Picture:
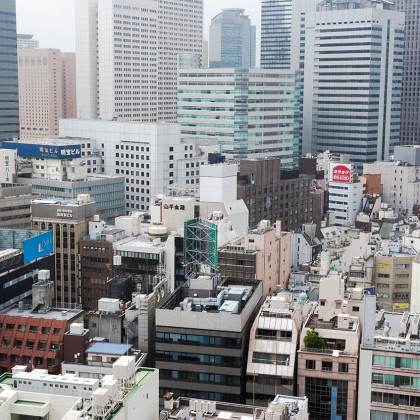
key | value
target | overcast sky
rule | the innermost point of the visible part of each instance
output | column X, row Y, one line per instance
column 52, row 21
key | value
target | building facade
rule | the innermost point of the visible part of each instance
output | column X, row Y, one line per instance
column 47, row 90
column 232, row 40
column 352, row 63
column 69, row 222
column 27, row 41
column 142, row 43
column 389, row 370
column 410, row 98
column 251, row 112
column 276, row 34
column 200, row 353
column 15, row 204
column 9, row 106
column 151, row 156
column 275, row 194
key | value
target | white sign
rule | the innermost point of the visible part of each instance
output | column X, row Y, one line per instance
column 65, row 213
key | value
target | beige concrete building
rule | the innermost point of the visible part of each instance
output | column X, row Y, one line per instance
column 15, row 204
column 392, row 279
column 328, row 375
column 69, row 222
column 47, row 90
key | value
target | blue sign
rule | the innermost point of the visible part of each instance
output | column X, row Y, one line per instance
column 37, row 247
column 44, row 151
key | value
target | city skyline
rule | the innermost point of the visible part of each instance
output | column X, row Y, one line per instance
column 60, row 17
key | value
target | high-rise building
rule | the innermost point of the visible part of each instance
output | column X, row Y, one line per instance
column 9, row 104
column 232, row 40
column 27, row 41
column 251, row 112
column 47, row 90
column 410, row 98
column 352, row 62
column 276, row 33
column 127, row 56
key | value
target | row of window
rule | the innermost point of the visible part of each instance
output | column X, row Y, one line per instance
column 199, row 339
column 396, row 380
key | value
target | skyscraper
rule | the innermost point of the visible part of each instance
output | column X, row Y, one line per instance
column 410, row 98
column 353, row 52
column 232, row 40
column 251, row 112
column 47, row 90
column 276, row 22
column 127, row 56
column 9, row 95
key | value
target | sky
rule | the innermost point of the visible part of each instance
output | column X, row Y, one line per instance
column 52, row 21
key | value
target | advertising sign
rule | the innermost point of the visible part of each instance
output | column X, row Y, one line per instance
column 37, row 247
column 45, row 151
column 340, row 172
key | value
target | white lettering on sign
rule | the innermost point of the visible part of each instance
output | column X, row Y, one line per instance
column 69, row 152
column 64, row 213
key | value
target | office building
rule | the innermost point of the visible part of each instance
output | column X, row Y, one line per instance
column 262, row 122
column 232, row 40
column 56, row 158
column 399, row 183
column 352, row 85
column 151, row 156
column 276, row 27
column 127, row 56
column 33, row 335
column 27, row 41
column 274, row 340
column 328, row 369
column 69, row 221
column 393, row 276
column 23, row 254
column 209, row 329
column 410, row 97
column 47, row 90
column 389, row 367
column 345, row 194
column 9, row 106
column 15, row 204
column 274, row 193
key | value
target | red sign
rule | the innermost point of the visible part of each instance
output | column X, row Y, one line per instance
column 341, row 174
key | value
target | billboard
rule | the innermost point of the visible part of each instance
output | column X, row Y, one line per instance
column 37, row 247
column 40, row 151
column 340, row 172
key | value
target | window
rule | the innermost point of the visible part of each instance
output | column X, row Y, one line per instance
column 327, row 366
column 343, row 367
column 311, row 364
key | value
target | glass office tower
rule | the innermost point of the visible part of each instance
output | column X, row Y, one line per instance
column 9, row 94
column 232, row 40
column 276, row 28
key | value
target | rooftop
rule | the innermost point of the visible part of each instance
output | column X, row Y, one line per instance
column 397, row 331
column 52, row 313
column 53, row 141
column 109, row 348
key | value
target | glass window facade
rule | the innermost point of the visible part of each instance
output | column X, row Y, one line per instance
column 9, row 104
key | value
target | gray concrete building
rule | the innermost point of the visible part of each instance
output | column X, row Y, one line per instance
column 202, row 334
column 9, row 104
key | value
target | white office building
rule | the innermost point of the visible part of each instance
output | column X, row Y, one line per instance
column 151, row 156
column 127, row 56
column 251, row 112
column 351, row 52
column 345, row 194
